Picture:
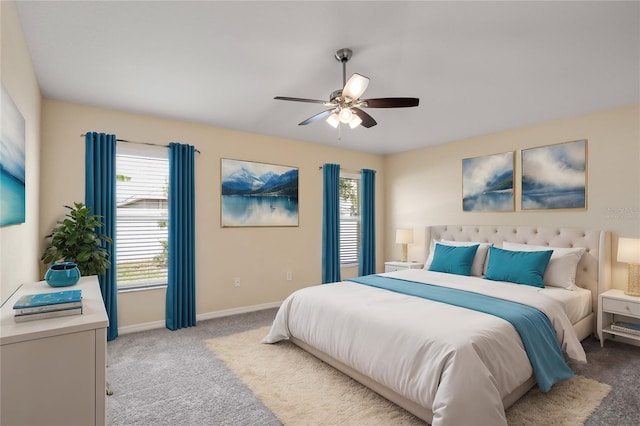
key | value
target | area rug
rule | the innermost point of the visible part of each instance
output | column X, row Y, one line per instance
column 300, row 389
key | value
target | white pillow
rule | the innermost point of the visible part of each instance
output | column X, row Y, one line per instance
column 561, row 270
column 478, row 266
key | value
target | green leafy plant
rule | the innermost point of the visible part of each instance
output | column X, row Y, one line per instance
column 75, row 239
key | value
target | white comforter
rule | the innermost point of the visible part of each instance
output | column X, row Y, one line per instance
column 456, row 362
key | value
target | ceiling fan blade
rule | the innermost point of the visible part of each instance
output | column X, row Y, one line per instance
column 390, row 102
column 317, row 117
column 355, row 86
column 313, row 101
column 367, row 120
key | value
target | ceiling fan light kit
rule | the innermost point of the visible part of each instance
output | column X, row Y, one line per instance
column 346, row 103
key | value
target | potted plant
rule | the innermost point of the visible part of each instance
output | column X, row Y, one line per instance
column 75, row 240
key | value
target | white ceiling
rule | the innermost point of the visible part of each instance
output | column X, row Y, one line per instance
column 477, row 67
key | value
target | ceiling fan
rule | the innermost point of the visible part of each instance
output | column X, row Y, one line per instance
column 345, row 105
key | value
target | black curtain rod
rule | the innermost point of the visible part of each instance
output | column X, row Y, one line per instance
column 142, row 143
column 348, row 171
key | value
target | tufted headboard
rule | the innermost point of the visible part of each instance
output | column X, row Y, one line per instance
column 594, row 269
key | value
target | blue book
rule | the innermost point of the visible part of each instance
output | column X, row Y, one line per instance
column 48, row 299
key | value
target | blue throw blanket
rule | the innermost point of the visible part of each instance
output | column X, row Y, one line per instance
column 535, row 329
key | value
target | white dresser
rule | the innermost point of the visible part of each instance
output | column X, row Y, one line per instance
column 53, row 371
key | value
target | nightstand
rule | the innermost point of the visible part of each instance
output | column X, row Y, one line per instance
column 399, row 266
column 614, row 305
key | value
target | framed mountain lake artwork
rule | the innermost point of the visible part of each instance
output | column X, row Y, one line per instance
column 258, row 194
column 555, row 176
column 487, row 183
column 12, row 163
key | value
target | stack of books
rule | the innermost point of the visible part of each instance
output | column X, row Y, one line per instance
column 626, row 327
column 48, row 305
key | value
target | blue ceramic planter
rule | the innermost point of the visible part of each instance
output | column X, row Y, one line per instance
column 62, row 274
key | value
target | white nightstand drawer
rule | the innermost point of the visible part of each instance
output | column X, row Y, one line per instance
column 401, row 266
column 620, row 307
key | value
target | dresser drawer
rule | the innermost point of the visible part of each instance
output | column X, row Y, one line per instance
column 389, row 268
column 620, row 307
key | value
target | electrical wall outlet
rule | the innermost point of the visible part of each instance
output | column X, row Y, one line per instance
column 236, row 282
column 288, row 275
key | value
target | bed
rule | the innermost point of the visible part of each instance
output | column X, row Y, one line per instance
column 443, row 362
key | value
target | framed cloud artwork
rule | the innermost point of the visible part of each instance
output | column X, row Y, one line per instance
column 487, row 183
column 258, row 194
column 12, row 163
column 555, row 176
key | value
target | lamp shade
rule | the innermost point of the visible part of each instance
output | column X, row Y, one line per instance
column 404, row 236
column 334, row 120
column 345, row 115
column 629, row 250
column 355, row 121
column 355, row 87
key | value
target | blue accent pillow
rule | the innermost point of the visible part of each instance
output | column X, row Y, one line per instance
column 520, row 267
column 453, row 259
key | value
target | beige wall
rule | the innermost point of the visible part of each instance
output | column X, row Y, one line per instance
column 414, row 189
column 259, row 256
column 19, row 244
column 424, row 187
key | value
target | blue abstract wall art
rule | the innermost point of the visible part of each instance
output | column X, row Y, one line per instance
column 258, row 194
column 12, row 163
column 487, row 183
column 555, row 176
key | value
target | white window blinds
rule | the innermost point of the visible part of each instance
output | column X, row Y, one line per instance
column 142, row 185
column 349, row 219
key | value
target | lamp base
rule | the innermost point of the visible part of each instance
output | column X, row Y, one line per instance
column 404, row 253
column 633, row 286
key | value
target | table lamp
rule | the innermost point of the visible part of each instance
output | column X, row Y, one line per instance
column 629, row 252
column 404, row 237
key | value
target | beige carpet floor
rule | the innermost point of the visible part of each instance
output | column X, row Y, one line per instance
column 300, row 389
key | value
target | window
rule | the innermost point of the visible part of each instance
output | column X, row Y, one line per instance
column 349, row 219
column 142, row 185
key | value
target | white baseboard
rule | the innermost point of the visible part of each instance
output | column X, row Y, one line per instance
column 200, row 317
column 235, row 311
